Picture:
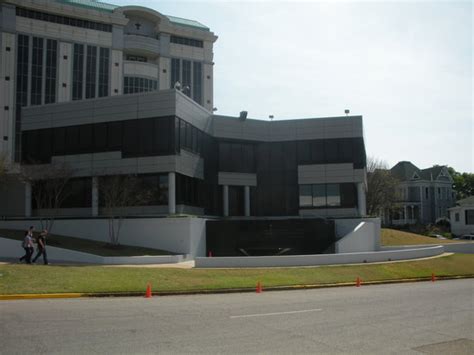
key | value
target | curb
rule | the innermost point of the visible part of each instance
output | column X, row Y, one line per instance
column 221, row 291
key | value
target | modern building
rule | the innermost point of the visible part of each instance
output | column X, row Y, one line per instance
column 55, row 51
column 129, row 91
column 424, row 195
column 461, row 217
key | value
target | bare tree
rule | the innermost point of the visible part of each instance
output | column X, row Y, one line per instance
column 119, row 192
column 381, row 186
column 48, row 188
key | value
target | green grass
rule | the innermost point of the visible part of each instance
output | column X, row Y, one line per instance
column 18, row 278
column 396, row 237
column 85, row 245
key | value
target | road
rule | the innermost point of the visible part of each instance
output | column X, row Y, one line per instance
column 408, row 318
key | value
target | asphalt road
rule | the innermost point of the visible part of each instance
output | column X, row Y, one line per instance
column 414, row 318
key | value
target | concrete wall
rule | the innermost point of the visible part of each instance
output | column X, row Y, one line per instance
column 336, row 173
column 11, row 249
column 463, row 248
column 359, row 240
column 186, row 235
column 314, row 260
column 366, row 238
column 287, row 130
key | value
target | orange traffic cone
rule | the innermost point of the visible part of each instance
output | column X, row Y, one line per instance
column 148, row 291
column 259, row 287
column 358, row 282
column 433, row 277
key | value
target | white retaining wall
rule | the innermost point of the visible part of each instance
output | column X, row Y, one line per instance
column 12, row 249
column 186, row 235
column 357, row 235
column 465, row 248
column 314, row 260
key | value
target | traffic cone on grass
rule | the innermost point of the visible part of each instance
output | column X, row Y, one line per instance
column 259, row 287
column 433, row 277
column 358, row 282
column 148, row 291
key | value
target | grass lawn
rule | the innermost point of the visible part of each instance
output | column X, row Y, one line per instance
column 85, row 245
column 19, row 278
column 396, row 237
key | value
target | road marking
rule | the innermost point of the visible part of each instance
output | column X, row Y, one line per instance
column 276, row 313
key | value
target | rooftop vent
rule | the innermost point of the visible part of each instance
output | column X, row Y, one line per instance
column 243, row 115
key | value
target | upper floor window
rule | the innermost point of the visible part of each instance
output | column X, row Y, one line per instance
column 63, row 20
column 187, row 41
column 137, row 58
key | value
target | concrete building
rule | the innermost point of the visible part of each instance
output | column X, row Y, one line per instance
column 461, row 217
column 424, row 195
column 129, row 91
column 55, row 51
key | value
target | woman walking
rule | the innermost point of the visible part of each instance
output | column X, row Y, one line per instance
column 28, row 246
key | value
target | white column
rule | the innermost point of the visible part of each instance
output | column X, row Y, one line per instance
column 225, row 199
column 421, row 204
column 171, row 193
column 361, row 199
column 27, row 199
column 247, row 200
column 95, row 196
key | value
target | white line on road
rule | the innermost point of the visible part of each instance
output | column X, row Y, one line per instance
column 276, row 313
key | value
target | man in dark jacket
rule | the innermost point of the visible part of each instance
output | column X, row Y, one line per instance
column 42, row 247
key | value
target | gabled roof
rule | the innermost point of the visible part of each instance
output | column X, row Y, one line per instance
column 102, row 6
column 431, row 173
column 468, row 201
column 404, row 170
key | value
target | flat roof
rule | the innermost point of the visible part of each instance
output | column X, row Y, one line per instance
column 102, row 6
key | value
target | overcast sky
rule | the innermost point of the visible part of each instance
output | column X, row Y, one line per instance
column 405, row 66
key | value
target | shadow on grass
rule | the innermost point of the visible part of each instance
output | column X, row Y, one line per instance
column 86, row 245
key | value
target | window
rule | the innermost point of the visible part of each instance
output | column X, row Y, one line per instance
column 186, row 78
column 306, row 196
column 319, row 195
column 427, row 193
column 22, row 70
column 78, row 193
column 333, row 195
column 51, row 67
column 91, row 71
column 134, row 84
column 175, row 72
column 469, row 216
column 37, row 71
column 63, row 20
column 104, row 72
column 137, row 58
column 186, row 41
column 197, row 82
column 456, row 216
column 328, row 195
column 77, row 71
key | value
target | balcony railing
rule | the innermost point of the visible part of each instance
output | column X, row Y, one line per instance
column 141, row 44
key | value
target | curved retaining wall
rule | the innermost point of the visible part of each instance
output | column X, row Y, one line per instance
column 320, row 259
column 12, row 249
column 462, row 247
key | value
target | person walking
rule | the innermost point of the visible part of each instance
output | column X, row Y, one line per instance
column 28, row 246
column 42, row 247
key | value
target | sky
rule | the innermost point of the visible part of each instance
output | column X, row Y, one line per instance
column 405, row 66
